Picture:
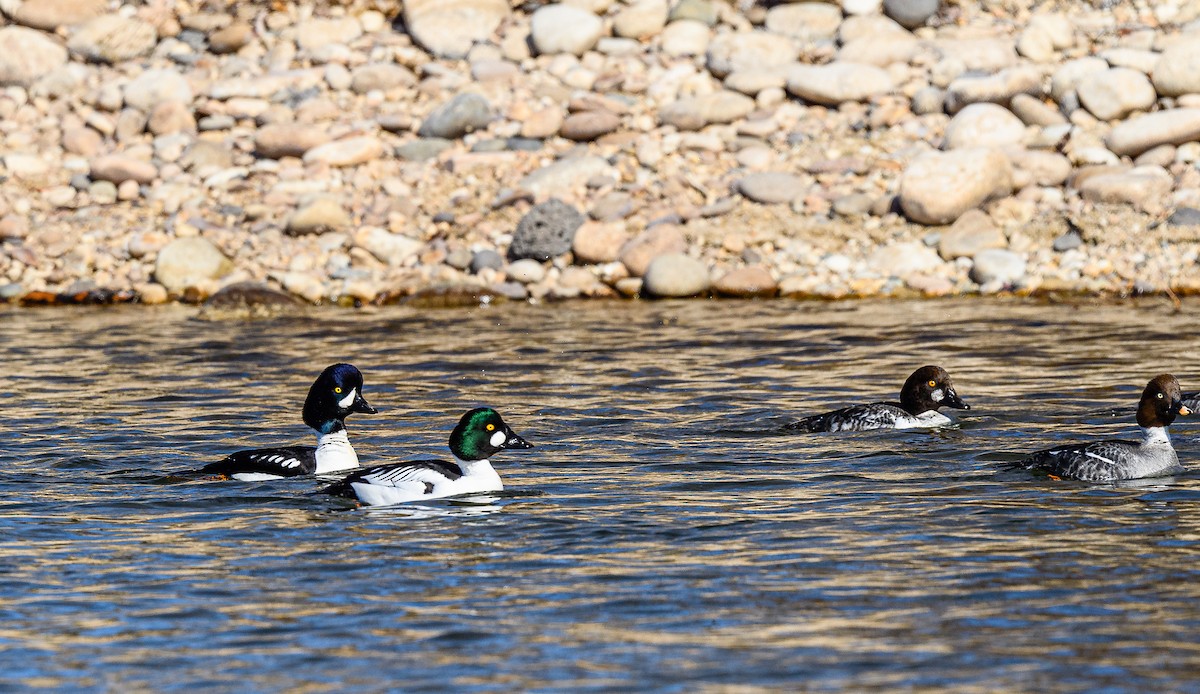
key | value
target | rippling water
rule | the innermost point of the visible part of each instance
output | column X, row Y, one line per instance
column 663, row 535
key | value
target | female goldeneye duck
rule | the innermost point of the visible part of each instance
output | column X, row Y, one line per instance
column 1110, row 461
column 927, row 389
column 480, row 434
column 335, row 394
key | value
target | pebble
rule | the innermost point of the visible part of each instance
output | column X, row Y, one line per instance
column 1177, row 71
column 598, row 242
column 837, row 83
column 1067, row 241
column 771, row 187
column 186, row 262
column 910, row 13
column 486, row 259
column 460, row 115
column 231, row 39
column 1174, row 126
column 675, row 275
column 288, row 139
column 116, row 168
column 26, row 55
column 449, row 29
column 565, row 175
column 684, row 37
column 423, row 149
column 984, row 125
column 806, row 21
column 1066, row 77
column 561, row 28
column 703, row 11
column 937, row 188
column 317, row 217
column 1141, row 187
column 1116, row 93
column 998, row 88
column 351, row 151
column 526, row 271
column 1033, row 111
column 112, row 38
column 50, row 15
column 641, row 19
column 546, row 231
column 752, row 281
column 694, row 113
column 312, row 34
column 589, row 125
column 971, row 233
column 381, row 76
column 660, row 239
column 750, row 50
column 996, row 265
column 390, row 248
column 903, row 259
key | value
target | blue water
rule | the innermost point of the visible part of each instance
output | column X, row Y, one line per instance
column 664, row 535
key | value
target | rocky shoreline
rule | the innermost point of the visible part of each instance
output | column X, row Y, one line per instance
column 363, row 152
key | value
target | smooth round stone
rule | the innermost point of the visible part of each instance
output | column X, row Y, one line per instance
column 837, row 83
column 351, row 151
column 1185, row 217
column 319, row 216
column 586, row 126
column 1040, row 167
column 910, row 13
column 862, row 7
column 486, row 259
column 566, row 175
column 1134, row 136
column 113, row 38
column 659, row 239
column 381, row 76
column 996, row 265
column 231, row 39
column 1177, row 71
column 984, row 125
column 526, row 271
column 903, row 259
column 464, row 113
column 853, row 205
column 448, row 28
column 1115, row 93
column 880, row 50
column 546, row 231
column 675, row 275
column 1066, row 78
column 970, row 234
column 1068, row 241
column 49, row 15
column 423, row 149
column 188, row 261
column 312, row 34
column 26, row 55
column 703, row 11
column 747, row 282
column 1033, row 111
column 1140, row 187
column 117, row 168
column 928, row 100
column 597, row 242
column 103, row 192
column 998, row 88
column 641, row 19
column 562, row 28
column 750, row 50
column 938, row 187
column 693, row 113
column 390, row 248
column 154, row 87
column 771, row 187
column 806, row 21
column 685, row 37
column 288, row 139
column 171, row 117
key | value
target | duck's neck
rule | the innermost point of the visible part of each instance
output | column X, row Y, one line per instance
column 1155, row 436
column 334, row 452
column 475, row 468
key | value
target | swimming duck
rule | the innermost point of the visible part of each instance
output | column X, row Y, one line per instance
column 927, row 389
column 480, row 434
column 1109, row 461
column 335, row 394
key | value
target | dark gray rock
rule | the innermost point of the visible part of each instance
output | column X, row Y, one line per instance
column 1067, row 241
column 425, row 148
column 546, row 231
column 486, row 259
column 457, row 117
column 1185, row 217
column 524, row 144
column 910, row 13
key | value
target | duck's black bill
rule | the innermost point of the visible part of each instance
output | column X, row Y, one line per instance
column 515, row 441
column 361, row 405
column 952, row 400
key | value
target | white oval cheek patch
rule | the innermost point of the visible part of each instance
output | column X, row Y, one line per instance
column 348, row 400
column 937, row 395
column 499, row 438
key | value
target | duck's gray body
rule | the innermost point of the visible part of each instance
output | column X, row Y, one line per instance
column 1110, row 461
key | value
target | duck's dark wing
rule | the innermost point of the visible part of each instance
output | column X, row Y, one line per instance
column 288, row 461
column 418, row 475
column 1192, row 400
column 881, row 415
column 1100, row 461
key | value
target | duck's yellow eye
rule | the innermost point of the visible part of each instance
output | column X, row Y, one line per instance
column 337, row 389
column 933, row 384
column 1160, row 396
column 491, row 427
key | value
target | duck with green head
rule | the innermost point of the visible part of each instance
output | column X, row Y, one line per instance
column 480, row 434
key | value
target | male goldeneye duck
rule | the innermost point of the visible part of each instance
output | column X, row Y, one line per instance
column 927, row 389
column 480, row 434
column 335, row 394
column 1109, row 461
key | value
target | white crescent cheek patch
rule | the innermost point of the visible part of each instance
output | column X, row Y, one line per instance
column 348, row 400
column 938, row 395
column 499, row 438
